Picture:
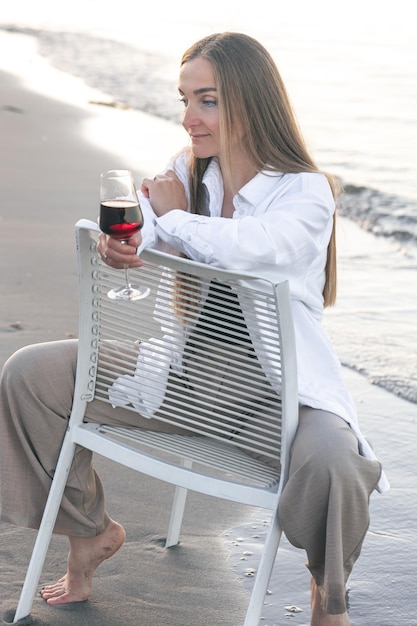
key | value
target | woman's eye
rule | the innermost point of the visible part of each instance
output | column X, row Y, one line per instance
column 205, row 102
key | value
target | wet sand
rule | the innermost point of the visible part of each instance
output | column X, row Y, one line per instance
column 48, row 180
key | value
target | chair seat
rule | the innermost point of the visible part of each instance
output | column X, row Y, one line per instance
column 204, row 451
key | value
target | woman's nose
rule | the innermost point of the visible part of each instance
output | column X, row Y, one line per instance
column 189, row 119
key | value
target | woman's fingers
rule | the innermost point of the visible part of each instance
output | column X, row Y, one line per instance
column 117, row 253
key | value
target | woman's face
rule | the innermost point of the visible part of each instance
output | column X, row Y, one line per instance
column 197, row 90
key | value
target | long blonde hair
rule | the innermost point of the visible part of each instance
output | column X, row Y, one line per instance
column 252, row 93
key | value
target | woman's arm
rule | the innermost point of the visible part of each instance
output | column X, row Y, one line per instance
column 284, row 230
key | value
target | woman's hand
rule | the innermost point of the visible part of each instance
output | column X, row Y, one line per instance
column 165, row 192
column 118, row 254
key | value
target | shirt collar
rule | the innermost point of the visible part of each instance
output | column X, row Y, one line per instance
column 258, row 187
column 252, row 193
column 213, row 181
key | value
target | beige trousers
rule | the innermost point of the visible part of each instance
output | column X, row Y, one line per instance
column 324, row 507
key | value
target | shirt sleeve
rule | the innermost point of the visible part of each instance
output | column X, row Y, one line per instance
column 148, row 231
column 288, row 231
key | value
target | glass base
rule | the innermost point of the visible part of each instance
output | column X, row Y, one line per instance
column 130, row 293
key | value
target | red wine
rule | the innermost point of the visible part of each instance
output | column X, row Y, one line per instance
column 120, row 218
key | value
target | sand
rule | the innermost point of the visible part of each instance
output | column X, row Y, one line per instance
column 49, row 164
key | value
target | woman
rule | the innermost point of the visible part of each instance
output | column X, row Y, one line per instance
column 245, row 195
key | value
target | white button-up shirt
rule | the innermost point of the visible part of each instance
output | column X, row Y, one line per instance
column 280, row 230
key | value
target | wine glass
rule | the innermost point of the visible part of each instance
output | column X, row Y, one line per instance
column 121, row 217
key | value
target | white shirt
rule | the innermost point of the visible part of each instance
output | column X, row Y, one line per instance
column 280, row 230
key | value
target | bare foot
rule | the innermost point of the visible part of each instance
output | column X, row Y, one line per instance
column 84, row 557
column 318, row 616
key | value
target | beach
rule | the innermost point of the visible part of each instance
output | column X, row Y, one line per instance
column 52, row 152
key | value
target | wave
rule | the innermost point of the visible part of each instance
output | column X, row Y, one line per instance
column 383, row 214
column 133, row 78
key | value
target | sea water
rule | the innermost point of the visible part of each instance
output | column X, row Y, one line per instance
column 352, row 78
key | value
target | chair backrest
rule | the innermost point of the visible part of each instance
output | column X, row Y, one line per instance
column 208, row 350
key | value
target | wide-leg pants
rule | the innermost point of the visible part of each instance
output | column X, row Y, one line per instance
column 324, row 508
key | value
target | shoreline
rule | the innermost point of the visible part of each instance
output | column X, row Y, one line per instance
column 49, row 172
column 108, row 126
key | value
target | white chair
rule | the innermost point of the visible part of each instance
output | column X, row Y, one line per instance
column 235, row 446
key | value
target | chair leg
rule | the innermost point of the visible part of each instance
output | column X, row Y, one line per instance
column 46, row 527
column 263, row 575
column 177, row 512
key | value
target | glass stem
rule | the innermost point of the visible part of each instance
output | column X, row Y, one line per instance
column 127, row 277
column 126, row 268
